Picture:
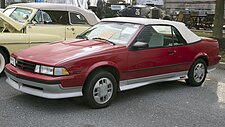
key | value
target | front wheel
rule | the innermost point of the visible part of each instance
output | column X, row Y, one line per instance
column 100, row 89
column 197, row 73
column 3, row 61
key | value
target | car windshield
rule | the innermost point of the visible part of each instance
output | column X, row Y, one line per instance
column 18, row 14
column 114, row 32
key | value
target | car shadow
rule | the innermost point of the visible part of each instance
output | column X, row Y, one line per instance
column 150, row 90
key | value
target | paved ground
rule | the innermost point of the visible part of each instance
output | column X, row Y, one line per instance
column 168, row 104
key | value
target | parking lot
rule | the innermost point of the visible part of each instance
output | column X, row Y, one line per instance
column 168, row 104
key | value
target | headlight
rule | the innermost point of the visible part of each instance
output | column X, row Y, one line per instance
column 51, row 70
column 47, row 70
column 12, row 61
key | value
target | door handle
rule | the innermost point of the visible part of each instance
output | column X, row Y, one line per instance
column 171, row 51
column 71, row 29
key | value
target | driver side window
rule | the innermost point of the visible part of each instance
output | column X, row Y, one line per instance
column 159, row 36
column 38, row 18
column 145, row 34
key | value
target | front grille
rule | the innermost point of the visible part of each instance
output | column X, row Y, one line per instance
column 26, row 66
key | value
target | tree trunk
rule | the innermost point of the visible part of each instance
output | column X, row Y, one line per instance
column 2, row 3
column 219, row 20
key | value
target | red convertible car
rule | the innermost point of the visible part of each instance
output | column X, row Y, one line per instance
column 117, row 54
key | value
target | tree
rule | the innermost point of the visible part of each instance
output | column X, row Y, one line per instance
column 2, row 3
column 219, row 20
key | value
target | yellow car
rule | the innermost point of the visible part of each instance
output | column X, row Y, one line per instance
column 29, row 24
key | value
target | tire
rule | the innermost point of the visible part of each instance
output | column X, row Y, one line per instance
column 3, row 61
column 197, row 73
column 100, row 89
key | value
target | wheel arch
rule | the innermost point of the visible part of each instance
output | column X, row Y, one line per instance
column 5, row 50
column 106, row 66
column 204, row 57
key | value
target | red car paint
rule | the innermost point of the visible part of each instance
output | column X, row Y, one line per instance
column 80, row 63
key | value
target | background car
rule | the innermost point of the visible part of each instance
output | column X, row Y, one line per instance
column 30, row 24
column 141, row 11
column 116, row 54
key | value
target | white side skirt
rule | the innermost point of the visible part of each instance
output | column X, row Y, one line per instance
column 134, row 83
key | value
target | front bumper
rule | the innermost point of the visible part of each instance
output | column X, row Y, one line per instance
column 50, row 91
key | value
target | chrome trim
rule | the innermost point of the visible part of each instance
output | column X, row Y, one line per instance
column 212, row 68
column 134, row 83
column 50, row 91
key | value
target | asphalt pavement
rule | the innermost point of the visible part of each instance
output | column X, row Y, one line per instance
column 167, row 104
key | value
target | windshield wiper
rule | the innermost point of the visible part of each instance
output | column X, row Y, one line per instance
column 103, row 39
column 82, row 37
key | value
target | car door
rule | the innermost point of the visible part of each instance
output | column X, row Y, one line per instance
column 14, row 41
column 158, row 60
column 78, row 24
column 47, row 26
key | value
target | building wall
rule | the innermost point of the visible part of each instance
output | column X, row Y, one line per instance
column 8, row 2
column 202, row 6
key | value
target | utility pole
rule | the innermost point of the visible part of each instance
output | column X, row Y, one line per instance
column 219, row 20
column 2, row 3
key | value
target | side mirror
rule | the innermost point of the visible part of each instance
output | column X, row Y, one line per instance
column 139, row 45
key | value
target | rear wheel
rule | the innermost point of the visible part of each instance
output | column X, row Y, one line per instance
column 3, row 61
column 100, row 89
column 197, row 73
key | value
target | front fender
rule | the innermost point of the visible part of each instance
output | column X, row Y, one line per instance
column 100, row 64
column 14, row 41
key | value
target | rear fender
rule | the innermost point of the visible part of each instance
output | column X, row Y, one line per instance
column 203, row 56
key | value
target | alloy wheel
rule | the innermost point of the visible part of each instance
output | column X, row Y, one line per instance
column 103, row 90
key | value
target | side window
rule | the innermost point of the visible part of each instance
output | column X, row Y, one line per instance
column 38, row 18
column 160, row 36
column 52, row 17
column 77, row 18
column 178, row 39
column 166, row 36
column 145, row 34
column 152, row 35
column 163, row 36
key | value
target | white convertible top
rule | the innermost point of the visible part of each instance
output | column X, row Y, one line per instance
column 89, row 15
column 188, row 35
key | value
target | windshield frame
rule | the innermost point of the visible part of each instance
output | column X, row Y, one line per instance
column 133, row 35
column 33, row 12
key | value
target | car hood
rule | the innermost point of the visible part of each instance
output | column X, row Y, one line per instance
column 53, row 54
column 18, row 26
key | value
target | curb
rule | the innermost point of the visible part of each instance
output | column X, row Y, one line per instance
column 221, row 65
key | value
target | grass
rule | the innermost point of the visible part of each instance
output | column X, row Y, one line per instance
column 205, row 33
column 209, row 34
column 222, row 53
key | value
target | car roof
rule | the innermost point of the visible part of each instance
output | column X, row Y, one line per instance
column 89, row 15
column 187, row 34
